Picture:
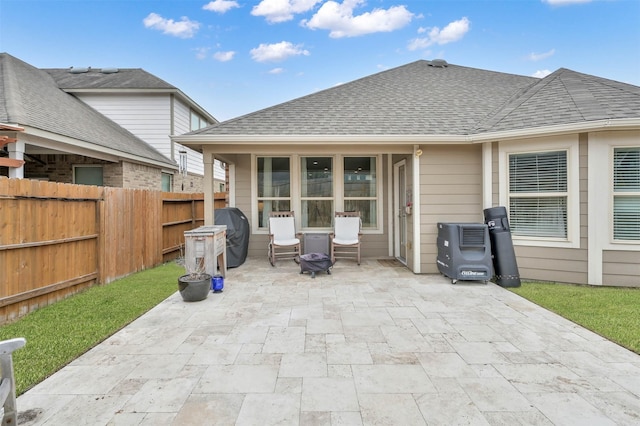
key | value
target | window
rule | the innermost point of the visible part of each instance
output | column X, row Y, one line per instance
column 274, row 187
column 316, row 177
column 88, row 175
column 197, row 122
column 538, row 194
column 361, row 189
column 315, row 187
column 626, row 194
column 167, row 180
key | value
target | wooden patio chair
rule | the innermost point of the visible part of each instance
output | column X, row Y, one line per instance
column 346, row 236
column 8, row 381
column 284, row 241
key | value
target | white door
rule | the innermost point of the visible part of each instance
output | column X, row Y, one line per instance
column 400, row 213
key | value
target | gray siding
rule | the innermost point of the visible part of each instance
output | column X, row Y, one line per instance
column 621, row 268
column 552, row 264
column 450, row 191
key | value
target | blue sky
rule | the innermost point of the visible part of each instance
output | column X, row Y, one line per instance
column 236, row 57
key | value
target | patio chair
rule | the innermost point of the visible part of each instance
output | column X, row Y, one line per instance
column 345, row 239
column 8, row 381
column 284, row 242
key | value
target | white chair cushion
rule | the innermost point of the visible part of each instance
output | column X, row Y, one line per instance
column 283, row 230
column 347, row 229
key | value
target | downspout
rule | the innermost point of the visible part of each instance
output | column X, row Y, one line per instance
column 417, row 152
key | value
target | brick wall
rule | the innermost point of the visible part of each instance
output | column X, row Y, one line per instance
column 189, row 183
column 59, row 168
column 140, row 176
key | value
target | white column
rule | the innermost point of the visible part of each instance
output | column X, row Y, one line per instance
column 208, row 188
column 417, row 255
column 16, row 152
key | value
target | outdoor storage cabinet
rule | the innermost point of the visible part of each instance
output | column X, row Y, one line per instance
column 464, row 251
column 205, row 246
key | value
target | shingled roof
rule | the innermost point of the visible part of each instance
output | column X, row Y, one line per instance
column 30, row 97
column 436, row 98
column 107, row 78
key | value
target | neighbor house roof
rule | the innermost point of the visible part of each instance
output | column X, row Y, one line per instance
column 30, row 97
column 118, row 80
column 438, row 100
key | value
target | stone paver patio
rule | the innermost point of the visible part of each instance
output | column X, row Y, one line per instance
column 367, row 345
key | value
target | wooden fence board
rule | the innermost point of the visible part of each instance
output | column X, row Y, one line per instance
column 57, row 239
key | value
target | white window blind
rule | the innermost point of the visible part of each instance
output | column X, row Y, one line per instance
column 626, row 198
column 538, row 194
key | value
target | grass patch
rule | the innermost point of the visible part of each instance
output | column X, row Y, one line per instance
column 613, row 313
column 59, row 333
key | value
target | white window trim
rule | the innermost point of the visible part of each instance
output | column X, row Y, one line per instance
column 567, row 143
column 296, row 202
column 601, row 146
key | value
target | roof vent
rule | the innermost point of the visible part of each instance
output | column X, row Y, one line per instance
column 439, row 63
column 109, row 70
column 79, row 70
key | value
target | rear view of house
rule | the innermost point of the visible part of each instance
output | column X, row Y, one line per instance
column 432, row 142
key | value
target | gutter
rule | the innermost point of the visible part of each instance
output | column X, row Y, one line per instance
column 377, row 139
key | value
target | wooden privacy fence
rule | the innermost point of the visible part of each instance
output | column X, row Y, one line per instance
column 57, row 239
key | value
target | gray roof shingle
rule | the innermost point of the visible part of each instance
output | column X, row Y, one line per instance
column 421, row 99
column 103, row 78
column 566, row 97
column 31, row 97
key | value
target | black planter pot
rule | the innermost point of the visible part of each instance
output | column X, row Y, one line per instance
column 194, row 288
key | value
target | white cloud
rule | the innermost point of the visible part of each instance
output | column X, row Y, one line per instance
column 201, row 52
column 454, row 31
column 183, row 28
column 341, row 22
column 277, row 52
column 276, row 11
column 539, row 56
column 276, row 71
column 564, row 2
column 220, row 6
column 224, row 56
column 541, row 73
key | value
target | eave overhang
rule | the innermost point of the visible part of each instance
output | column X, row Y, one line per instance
column 66, row 144
column 200, row 140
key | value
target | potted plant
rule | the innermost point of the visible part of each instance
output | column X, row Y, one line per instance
column 195, row 284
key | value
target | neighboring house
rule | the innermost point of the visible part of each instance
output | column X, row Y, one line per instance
column 101, row 126
column 431, row 142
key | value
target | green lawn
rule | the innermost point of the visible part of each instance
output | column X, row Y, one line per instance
column 611, row 312
column 59, row 333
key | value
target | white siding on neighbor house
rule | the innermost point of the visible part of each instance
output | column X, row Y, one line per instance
column 182, row 125
column 146, row 116
column 181, row 117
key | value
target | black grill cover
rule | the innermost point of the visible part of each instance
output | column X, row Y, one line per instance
column 238, row 231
